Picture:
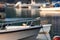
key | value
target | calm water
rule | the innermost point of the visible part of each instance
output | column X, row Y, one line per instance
column 13, row 13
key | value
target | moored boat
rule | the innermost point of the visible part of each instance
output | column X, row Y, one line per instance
column 24, row 32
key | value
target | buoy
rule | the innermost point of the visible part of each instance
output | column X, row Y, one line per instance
column 56, row 38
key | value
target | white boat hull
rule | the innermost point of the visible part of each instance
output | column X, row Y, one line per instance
column 22, row 34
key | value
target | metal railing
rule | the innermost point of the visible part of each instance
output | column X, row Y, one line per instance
column 3, row 25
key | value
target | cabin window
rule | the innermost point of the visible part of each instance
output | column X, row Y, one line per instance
column 24, row 7
column 35, row 7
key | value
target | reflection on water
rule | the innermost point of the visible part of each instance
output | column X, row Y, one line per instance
column 22, row 13
column 11, row 12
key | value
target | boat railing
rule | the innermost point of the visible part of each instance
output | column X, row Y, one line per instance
column 3, row 25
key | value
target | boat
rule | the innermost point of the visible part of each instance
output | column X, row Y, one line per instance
column 24, row 32
column 54, row 11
